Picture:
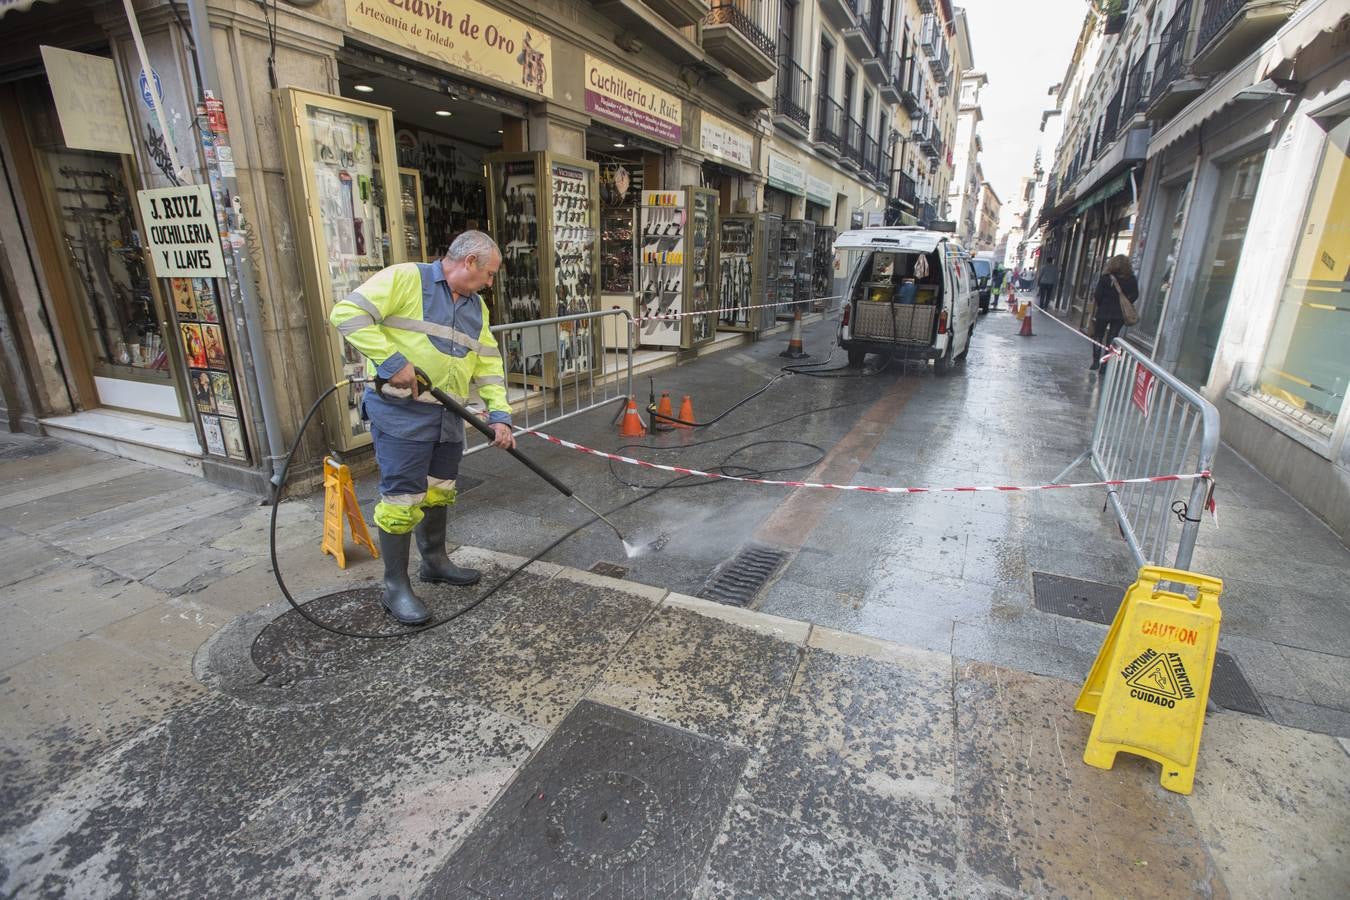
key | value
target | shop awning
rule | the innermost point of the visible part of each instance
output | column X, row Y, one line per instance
column 18, row 5
column 1110, row 189
column 1305, row 26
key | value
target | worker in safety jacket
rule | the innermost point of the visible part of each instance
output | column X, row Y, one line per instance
column 428, row 316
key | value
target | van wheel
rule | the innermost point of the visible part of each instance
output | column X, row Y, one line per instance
column 855, row 358
column 944, row 364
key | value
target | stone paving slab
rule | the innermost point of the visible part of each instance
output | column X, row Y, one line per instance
column 871, row 768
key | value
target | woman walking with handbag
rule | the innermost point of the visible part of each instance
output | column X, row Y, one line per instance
column 1115, row 295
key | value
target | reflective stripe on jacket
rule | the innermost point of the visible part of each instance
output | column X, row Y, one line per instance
column 407, row 314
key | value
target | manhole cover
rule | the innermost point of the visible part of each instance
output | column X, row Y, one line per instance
column 1229, row 689
column 612, row 805
column 1092, row 601
column 609, row 570
column 738, row 580
column 291, row 649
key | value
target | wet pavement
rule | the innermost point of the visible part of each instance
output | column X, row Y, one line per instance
column 893, row 718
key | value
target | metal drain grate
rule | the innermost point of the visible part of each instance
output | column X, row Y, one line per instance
column 1092, row 601
column 1229, row 689
column 737, row 581
column 609, row 570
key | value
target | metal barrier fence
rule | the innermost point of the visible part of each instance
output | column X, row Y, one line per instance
column 553, row 371
column 1149, row 423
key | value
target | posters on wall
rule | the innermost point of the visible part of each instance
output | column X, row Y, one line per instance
column 210, row 380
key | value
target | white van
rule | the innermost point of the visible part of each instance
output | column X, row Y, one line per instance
column 909, row 292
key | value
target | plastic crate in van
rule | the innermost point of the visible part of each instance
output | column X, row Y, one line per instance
column 908, row 322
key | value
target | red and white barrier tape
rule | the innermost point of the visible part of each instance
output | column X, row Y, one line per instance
column 719, row 310
column 868, row 489
column 1109, row 351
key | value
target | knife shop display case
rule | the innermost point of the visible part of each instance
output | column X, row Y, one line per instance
column 677, row 267
column 749, row 241
column 345, row 192
column 544, row 213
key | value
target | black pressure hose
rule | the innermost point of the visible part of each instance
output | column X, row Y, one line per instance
column 279, row 486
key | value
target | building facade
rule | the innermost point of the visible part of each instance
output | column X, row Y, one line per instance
column 964, row 196
column 1218, row 162
column 332, row 137
column 987, row 214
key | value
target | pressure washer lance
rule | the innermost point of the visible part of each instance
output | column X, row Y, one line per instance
column 424, row 386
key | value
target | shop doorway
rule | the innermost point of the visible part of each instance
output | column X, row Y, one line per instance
column 444, row 129
column 115, row 334
column 628, row 166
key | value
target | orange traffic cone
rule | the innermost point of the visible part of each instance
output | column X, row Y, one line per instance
column 686, row 413
column 794, row 348
column 631, row 426
column 1026, row 324
column 664, row 413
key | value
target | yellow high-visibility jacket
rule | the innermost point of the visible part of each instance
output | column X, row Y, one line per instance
column 407, row 314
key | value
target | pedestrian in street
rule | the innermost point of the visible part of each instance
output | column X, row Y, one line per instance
column 428, row 316
column 1117, row 278
column 1049, row 277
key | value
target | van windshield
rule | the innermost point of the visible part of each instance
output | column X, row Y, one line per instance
column 982, row 267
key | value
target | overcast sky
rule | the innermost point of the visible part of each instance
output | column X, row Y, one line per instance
column 1023, row 48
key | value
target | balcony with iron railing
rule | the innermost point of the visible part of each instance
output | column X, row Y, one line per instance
column 828, row 137
column 1111, row 121
column 1136, row 91
column 853, row 143
column 925, row 136
column 875, row 63
column 930, row 37
column 860, row 37
column 892, row 86
column 841, row 13
column 792, row 98
column 870, row 161
column 906, row 190
column 1173, row 85
column 927, row 214
column 927, row 6
column 911, row 87
column 733, row 37
column 1231, row 29
column 883, row 177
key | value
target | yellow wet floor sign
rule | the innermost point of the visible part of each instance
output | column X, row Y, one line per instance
column 1150, row 684
column 339, row 502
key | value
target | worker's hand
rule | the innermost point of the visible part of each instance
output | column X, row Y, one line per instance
column 505, row 438
column 405, row 378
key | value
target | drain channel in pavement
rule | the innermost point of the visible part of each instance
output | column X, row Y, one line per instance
column 609, row 569
column 737, row 581
column 1229, row 689
column 1092, row 601
column 611, row 805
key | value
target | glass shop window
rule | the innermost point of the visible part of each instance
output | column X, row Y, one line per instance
column 1305, row 370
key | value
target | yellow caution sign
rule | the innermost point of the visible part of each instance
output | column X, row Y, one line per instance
column 339, row 502
column 1150, row 683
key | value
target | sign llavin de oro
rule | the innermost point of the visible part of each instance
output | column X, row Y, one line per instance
column 1150, row 683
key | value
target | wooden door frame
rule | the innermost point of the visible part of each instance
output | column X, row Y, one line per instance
column 53, row 273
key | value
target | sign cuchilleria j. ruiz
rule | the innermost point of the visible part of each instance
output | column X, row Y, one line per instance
column 463, row 33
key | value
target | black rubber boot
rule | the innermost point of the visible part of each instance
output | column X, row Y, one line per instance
column 399, row 598
column 436, row 565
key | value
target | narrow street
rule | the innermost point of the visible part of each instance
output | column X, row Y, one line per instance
column 891, row 717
